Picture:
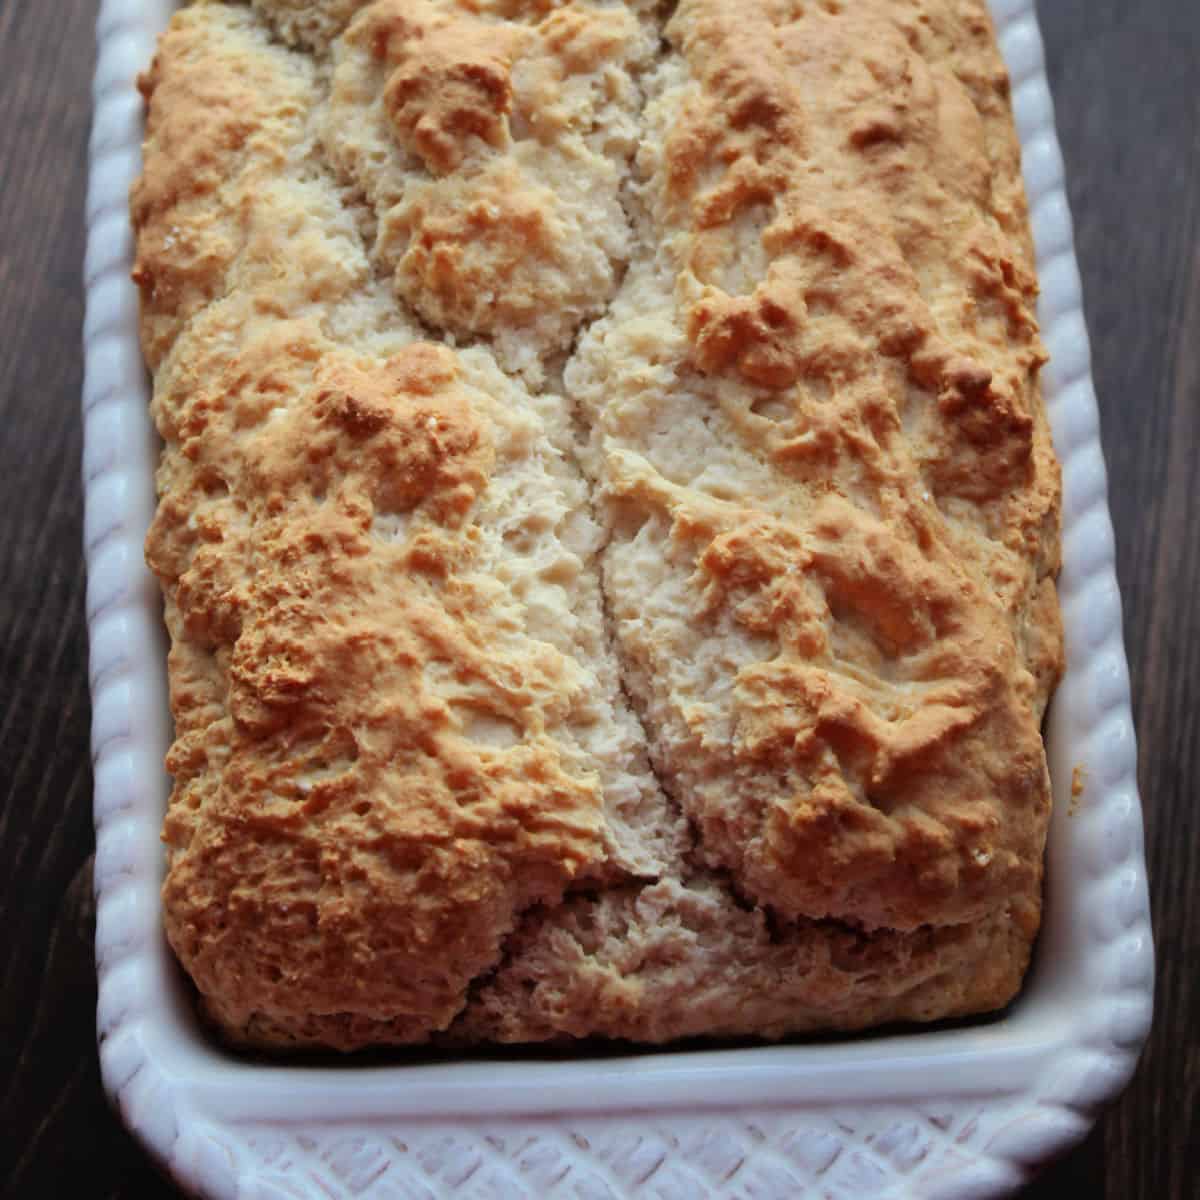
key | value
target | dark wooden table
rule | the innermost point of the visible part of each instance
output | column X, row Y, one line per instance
column 1126, row 77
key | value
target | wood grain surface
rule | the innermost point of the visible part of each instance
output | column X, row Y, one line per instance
column 1126, row 78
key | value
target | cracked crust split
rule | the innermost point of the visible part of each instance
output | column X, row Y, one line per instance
column 608, row 523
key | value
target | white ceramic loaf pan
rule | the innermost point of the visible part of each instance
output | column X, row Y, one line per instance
column 966, row 1112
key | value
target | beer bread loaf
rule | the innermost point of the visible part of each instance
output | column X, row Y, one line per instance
column 608, row 522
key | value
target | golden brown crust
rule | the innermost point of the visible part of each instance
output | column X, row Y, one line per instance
column 201, row 117
column 335, row 821
column 814, row 435
column 878, row 757
column 310, row 23
column 491, row 141
column 342, row 846
column 447, row 84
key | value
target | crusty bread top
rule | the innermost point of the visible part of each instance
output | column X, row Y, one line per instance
column 815, row 410
column 682, row 622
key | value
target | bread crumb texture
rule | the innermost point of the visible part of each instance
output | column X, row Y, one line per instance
column 608, row 523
